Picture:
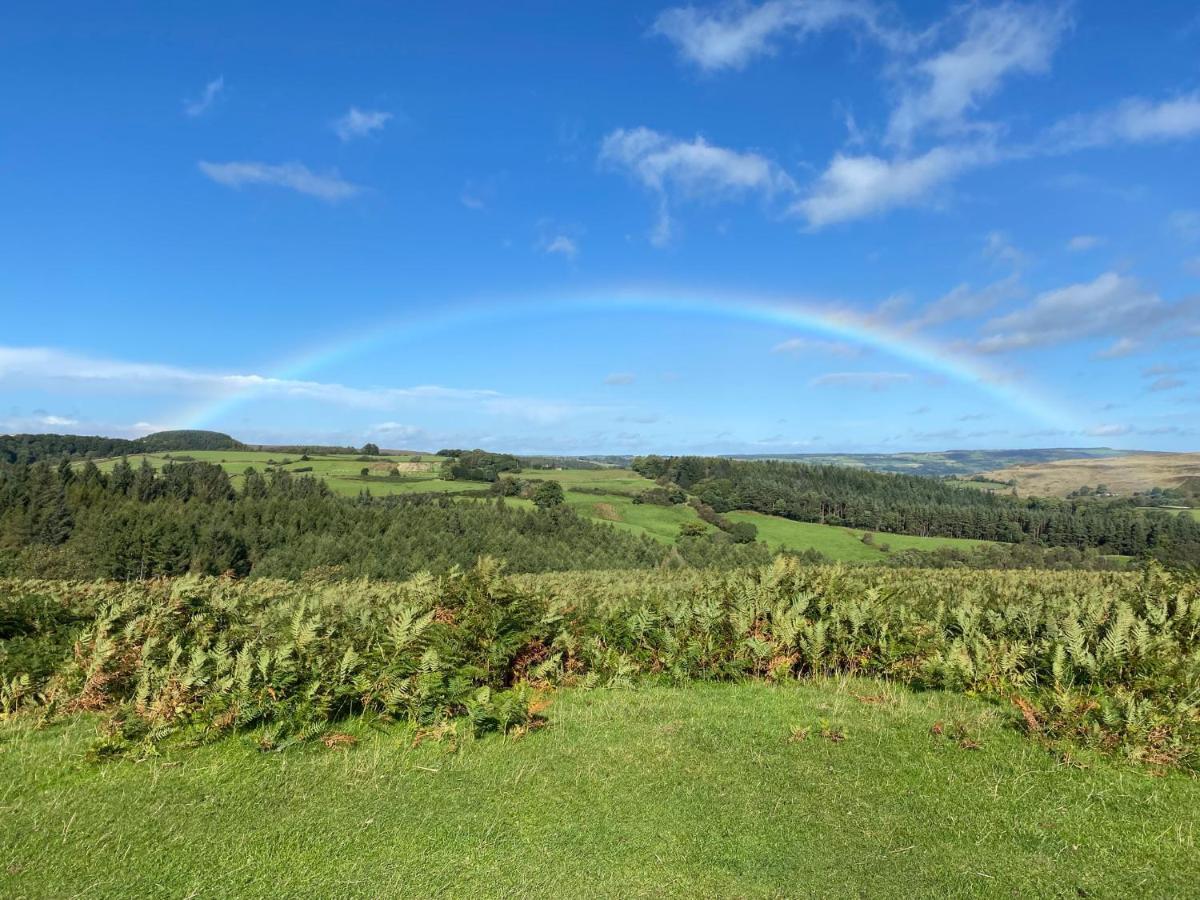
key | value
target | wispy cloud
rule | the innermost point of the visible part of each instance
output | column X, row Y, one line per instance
column 50, row 366
column 1110, row 305
column 964, row 302
column 874, row 381
column 358, row 123
column 1134, row 120
column 57, row 369
column 329, row 186
column 997, row 42
column 620, row 378
column 1165, row 383
column 855, row 187
column 729, row 36
column 207, row 98
column 559, row 245
column 1084, row 242
column 998, row 247
column 1108, row 430
column 690, row 169
column 803, row 346
column 1119, row 349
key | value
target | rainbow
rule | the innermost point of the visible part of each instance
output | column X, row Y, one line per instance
column 806, row 317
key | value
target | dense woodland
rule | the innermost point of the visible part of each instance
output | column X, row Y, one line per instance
column 133, row 523
column 34, row 447
column 905, row 504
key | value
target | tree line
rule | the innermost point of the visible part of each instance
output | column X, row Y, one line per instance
column 134, row 522
column 34, row 447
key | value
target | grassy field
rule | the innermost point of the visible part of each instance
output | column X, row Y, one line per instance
column 843, row 544
column 708, row 790
column 1122, row 474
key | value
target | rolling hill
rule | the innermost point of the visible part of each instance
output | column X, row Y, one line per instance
column 1122, row 475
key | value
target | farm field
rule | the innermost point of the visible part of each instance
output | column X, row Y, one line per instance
column 659, row 522
column 1122, row 474
column 341, row 473
column 844, row 544
column 679, row 792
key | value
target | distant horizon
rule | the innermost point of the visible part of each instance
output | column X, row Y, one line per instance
column 583, row 454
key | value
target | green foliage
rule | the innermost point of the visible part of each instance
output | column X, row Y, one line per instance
column 187, row 517
column 548, row 494
column 477, row 465
column 1109, row 661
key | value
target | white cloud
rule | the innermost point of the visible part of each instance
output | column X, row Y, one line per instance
column 620, row 378
column 60, row 370
column 563, row 245
column 875, row 381
column 999, row 248
column 57, row 420
column 1120, row 348
column 963, row 302
column 207, row 98
column 855, row 187
column 1112, row 304
column 802, row 346
column 1083, row 242
column 1166, row 383
column 1108, row 430
column 294, row 176
column 998, row 41
column 691, row 170
column 730, row 35
column 694, row 168
column 357, row 123
column 1134, row 120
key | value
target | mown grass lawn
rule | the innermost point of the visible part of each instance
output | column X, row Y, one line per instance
column 699, row 791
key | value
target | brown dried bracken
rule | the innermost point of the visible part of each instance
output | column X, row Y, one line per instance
column 1028, row 713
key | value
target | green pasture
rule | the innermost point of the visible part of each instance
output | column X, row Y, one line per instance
column 341, row 472
column 842, row 544
column 616, row 480
column 841, row 788
column 659, row 522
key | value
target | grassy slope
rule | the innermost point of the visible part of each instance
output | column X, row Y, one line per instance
column 839, row 543
column 684, row 792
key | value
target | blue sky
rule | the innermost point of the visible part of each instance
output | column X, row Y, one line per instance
column 832, row 225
